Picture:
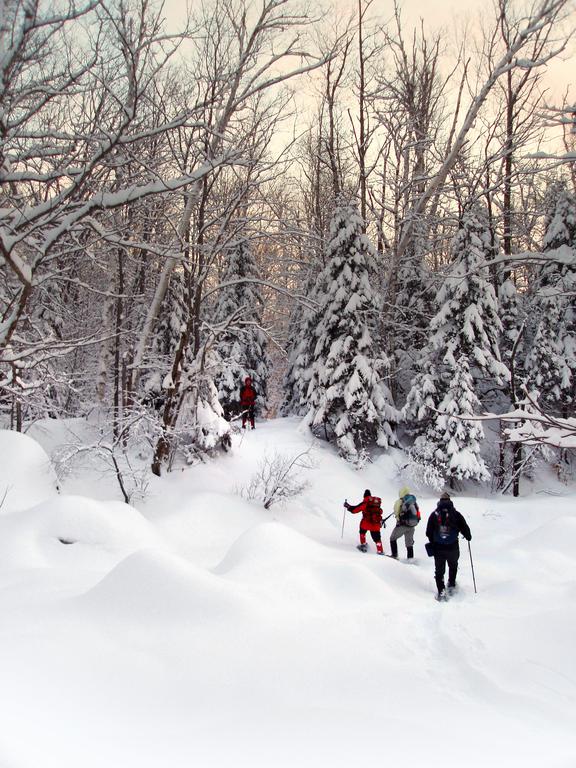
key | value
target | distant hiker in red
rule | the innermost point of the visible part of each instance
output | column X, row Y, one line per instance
column 371, row 508
column 247, row 402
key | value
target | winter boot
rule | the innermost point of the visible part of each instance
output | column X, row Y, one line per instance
column 394, row 549
column 409, row 552
column 379, row 548
column 362, row 547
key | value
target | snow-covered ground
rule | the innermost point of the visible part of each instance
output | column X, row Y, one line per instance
column 202, row 630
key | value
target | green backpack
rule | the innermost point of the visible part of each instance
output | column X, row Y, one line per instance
column 409, row 512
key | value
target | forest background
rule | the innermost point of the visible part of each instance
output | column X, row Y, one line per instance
column 372, row 217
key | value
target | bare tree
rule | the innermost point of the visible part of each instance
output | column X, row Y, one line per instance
column 542, row 21
column 73, row 134
column 247, row 55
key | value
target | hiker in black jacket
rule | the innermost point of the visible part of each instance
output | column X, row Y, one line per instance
column 444, row 525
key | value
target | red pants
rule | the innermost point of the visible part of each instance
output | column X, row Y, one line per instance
column 376, row 538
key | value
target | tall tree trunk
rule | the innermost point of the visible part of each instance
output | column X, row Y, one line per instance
column 118, row 395
column 362, row 148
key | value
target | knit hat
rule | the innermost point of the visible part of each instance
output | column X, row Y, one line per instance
column 367, row 492
column 445, row 496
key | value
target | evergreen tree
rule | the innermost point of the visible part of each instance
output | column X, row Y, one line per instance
column 201, row 426
column 242, row 343
column 457, row 437
column 463, row 349
column 546, row 361
column 422, row 402
column 172, row 322
column 411, row 316
column 551, row 361
column 302, row 335
column 468, row 323
column 509, row 314
column 348, row 394
column 560, row 220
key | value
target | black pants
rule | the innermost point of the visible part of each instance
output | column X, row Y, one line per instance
column 441, row 557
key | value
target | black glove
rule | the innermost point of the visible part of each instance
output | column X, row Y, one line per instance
column 348, row 507
column 468, row 538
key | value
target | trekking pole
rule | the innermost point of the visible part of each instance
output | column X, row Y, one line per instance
column 344, row 518
column 472, row 566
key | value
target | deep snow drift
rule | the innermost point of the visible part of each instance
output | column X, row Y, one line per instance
column 202, row 630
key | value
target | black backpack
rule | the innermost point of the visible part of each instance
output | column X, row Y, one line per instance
column 446, row 531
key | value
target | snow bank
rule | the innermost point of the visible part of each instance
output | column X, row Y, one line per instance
column 203, row 525
column 75, row 532
column 26, row 473
column 296, row 572
column 155, row 589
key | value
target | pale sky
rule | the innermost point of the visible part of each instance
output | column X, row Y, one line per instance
column 450, row 15
column 434, row 12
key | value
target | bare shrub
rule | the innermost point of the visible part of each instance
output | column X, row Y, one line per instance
column 105, row 458
column 278, row 478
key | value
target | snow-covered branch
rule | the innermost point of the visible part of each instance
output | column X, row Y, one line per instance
column 532, row 426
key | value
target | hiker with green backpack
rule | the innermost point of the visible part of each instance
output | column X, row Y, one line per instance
column 407, row 518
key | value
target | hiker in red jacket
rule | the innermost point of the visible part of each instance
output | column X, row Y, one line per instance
column 371, row 508
column 247, row 402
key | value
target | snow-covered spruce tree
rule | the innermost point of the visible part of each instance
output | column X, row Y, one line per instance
column 348, row 393
column 514, row 316
column 423, row 398
column 200, row 426
column 302, row 340
column 166, row 338
column 551, row 361
column 411, row 313
column 464, row 351
column 560, row 222
column 192, row 419
column 457, row 438
column 241, row 344
column 509, row 312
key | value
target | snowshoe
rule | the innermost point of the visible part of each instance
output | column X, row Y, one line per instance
column 441, row 597
column 362, row 547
